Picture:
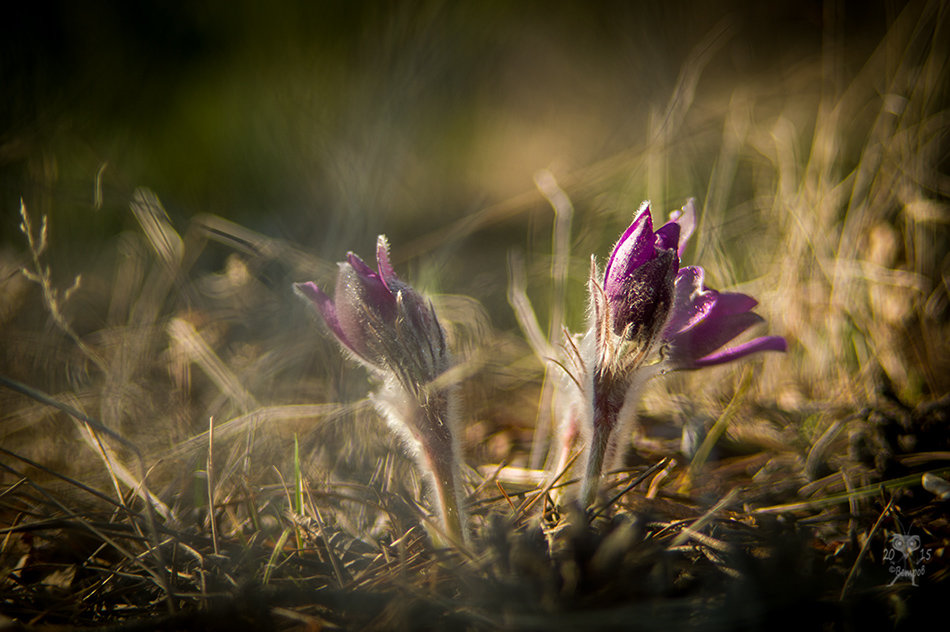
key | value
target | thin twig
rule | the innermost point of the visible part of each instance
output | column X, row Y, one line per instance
column 529, row 502
column 209, row 471
column 864, row 549
column 331, row 553
column 636, row 481
column 40, row 275
column 694, row 528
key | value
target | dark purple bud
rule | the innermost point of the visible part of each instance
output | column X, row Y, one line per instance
column 641, row 309
column 635, row 247
column 366, row 286
column 381, row 319
column 640, row 275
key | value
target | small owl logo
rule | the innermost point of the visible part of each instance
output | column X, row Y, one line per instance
column 906, row 545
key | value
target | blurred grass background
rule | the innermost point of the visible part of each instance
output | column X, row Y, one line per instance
column 333, row 121
column 813, row 134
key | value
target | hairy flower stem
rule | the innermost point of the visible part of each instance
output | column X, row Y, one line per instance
column 608, row 400
column 447, row 497
column 439, row 459
column 595, row 463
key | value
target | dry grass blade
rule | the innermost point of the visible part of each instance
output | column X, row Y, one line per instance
column 72, row 412
column 331, row 553
column 275, row 553
column 694, row 529
column 255, row 244
column 118, row 472
column 81, row 523
column 864, row 549
column 636, row 480
column 551, row 484
column 71, row 481
column 164, row 239
column 209, row 472
column 518, row 299
column 717, row 431
column 561, row 245
column 98, row 427
column 198, row 351
column 890, row 485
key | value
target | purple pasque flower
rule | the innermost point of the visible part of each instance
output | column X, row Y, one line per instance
column 381, row 320
column 389, row 327
column 649, row 316
column 629, row 310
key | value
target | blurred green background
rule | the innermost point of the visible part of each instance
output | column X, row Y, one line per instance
column 330, row 122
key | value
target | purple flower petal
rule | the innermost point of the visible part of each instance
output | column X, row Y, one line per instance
column 667, row 237
column 712, row 332
column 686, row 218
column 636, row 247
column 765, row 343
column 369, row 287
column 704, row 320
column 691, row 302
column 360, row 266
column 386, row 271
column 730, row 303
column 325, row 308
column 354, row 305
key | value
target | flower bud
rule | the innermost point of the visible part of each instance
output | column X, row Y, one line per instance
column 391, row 328
column 383, row 321
column 639, row 279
